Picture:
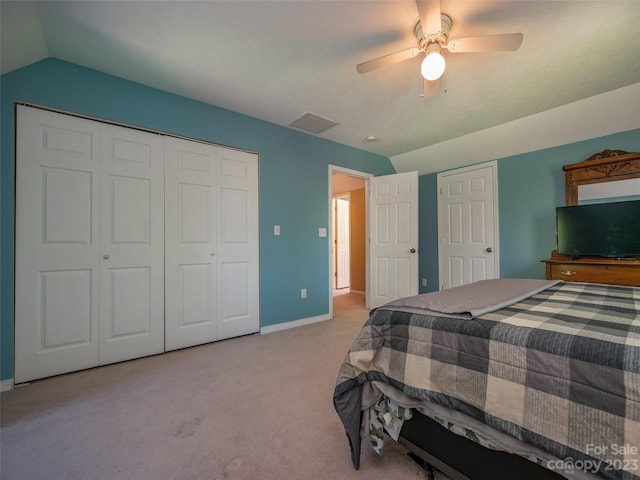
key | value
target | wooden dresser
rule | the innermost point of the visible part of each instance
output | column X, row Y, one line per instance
column 605, row 166
column 594, row 270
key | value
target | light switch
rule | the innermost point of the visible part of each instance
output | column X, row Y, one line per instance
column 322, row 232
column 276, row 229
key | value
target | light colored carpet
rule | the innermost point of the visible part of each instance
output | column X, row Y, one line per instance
column 256, row 407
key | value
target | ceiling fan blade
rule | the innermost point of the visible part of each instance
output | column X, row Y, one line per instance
column 430, row 88
column 385, row 60
column 488, row 43
column 429, row 11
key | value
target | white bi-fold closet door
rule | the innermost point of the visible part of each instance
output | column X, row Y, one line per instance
column 211, row 243
column 90, row 246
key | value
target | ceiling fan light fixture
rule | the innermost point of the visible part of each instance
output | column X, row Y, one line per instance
column 433, row 64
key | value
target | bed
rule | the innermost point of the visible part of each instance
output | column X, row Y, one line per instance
column 522, row 378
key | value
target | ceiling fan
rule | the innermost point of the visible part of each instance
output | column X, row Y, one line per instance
column 432, row 34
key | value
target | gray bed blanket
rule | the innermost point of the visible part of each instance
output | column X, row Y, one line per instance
column 559, row 369
column 470, row 301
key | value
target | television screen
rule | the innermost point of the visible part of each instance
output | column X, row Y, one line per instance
column 602, row 229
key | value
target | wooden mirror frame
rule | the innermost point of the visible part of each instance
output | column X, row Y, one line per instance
column 606, row 166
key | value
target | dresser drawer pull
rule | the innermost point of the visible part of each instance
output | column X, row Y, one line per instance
column 567, row 273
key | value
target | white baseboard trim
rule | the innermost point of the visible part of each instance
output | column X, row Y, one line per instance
column 293, row 324
column 6, row 385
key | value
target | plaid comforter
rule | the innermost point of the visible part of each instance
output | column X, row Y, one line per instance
column 559, row 370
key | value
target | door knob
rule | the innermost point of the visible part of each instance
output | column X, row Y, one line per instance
column 106, row 256
column 489, row 250
column 413, row 250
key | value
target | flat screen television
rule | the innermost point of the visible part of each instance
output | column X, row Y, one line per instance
column 599, row 230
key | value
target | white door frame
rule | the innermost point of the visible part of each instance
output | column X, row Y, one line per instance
column 496, row 248
column 365, row 176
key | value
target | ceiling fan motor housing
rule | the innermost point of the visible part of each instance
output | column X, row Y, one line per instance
column 441, row 37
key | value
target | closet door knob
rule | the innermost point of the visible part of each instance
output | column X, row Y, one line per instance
column 489, row 250
column 106, row 256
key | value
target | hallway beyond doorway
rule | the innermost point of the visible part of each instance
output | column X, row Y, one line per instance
column 350, row 307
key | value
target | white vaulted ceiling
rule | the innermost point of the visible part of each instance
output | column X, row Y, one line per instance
column 276, row 60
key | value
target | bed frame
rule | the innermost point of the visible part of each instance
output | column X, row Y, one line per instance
column 462, row 459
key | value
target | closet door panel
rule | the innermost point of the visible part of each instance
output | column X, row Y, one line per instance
column 235, row 290
column 190, row 273
column 238, row 241
column 56, row 257
column 65, row 324
column 67, row 202
column 132, row 244
column 194, row 289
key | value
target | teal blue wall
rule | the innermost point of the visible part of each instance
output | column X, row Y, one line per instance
column 293, row 186
column 530, row 187
column 293, row 179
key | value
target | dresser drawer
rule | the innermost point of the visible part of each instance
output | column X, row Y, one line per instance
column 609, row 274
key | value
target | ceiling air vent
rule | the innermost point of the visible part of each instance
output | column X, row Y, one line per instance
column 312, row 123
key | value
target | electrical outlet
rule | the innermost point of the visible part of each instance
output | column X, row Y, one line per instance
column 303, row 293
column 424, row 282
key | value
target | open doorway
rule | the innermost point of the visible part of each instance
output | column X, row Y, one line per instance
column 348, row 246
column 341, row 222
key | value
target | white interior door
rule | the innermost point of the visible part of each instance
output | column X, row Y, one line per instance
column 131, row 244
column 468, row 223
column 190, row 263
column 57, row 251
column 237, row 238
column 393, row 250
column 343, row 272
